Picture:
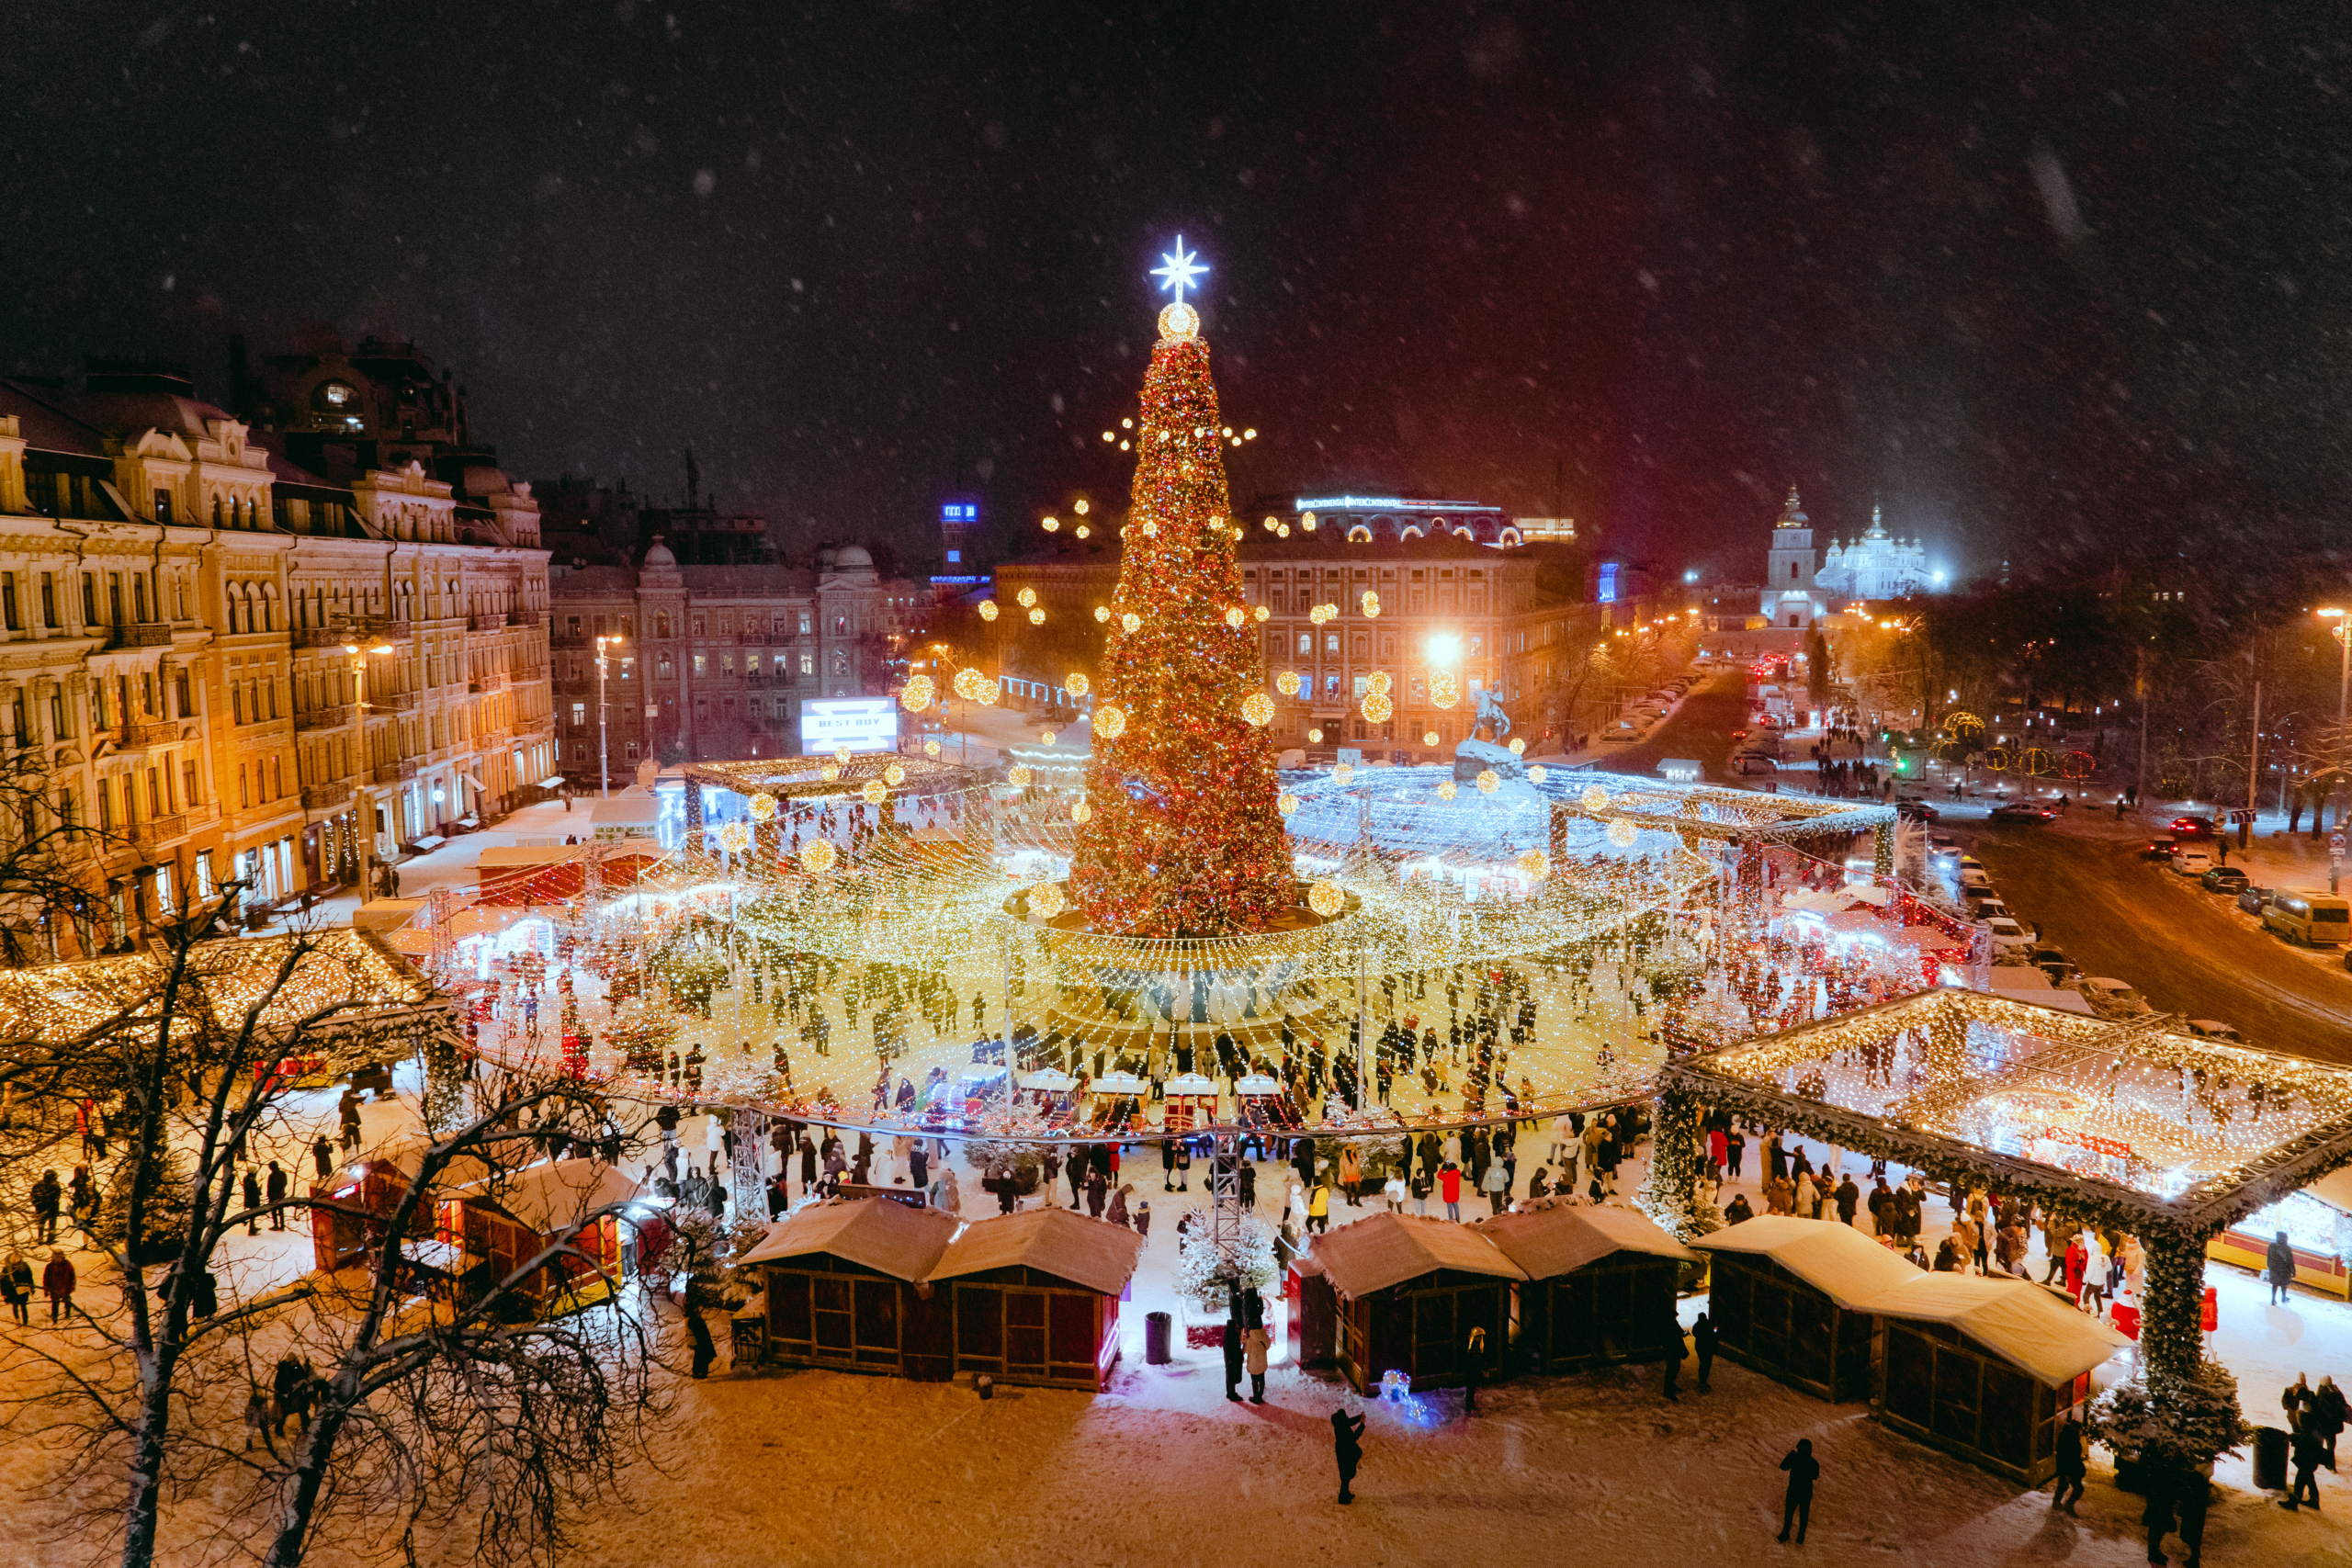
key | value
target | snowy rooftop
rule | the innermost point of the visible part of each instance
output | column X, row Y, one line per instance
column 1052, row 1240
column 1388, row 1249
column 1557, row 1238
column 2173, row 1128
column 883, row 1235
column 2024, row 1322
column 1838, row 1260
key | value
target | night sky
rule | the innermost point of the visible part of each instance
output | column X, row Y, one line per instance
column 2040, row 283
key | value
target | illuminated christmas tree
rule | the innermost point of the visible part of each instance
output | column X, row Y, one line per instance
column 1180, row 835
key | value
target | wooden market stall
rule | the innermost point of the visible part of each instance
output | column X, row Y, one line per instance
column 497, row 1223
column 1601, row 1285
column 1048, row 1091
column 1116, row 1101
column 1262, row 1102
column 1787, row 1299
column 1986, row 1367
column 2318, row 1223
column 1409, row 1291
column 1192, row 1101
column 1035, row 1296
column 843, row 1288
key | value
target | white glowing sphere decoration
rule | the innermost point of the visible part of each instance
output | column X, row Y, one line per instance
column 817, row 855
column 1325, row 898
column 1595, row 797
column 1621, row 832
column 1045, row 900
column 1258, row 708
column 1110, row 723
column 1489, row 781
column 762, row 808
column 917, row 694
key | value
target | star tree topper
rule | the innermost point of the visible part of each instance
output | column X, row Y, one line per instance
column 1177, row 275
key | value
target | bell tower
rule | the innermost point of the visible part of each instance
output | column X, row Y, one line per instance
column 1792, row 556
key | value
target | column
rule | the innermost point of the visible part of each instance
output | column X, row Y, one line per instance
column 1883, row 848
column 1670, row 1192
column 2172, row 1307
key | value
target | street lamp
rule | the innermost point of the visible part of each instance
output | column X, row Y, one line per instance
column 2342, row 633
column 604, row 748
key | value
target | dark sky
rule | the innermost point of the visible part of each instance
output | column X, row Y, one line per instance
column 2075, row 278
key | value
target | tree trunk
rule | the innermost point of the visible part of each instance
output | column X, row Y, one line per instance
column 142, row 1508
column 302, row 1499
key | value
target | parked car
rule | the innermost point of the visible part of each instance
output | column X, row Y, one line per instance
column 1986, row 905
column 2213, row 1029
column 2193, row 826
column 1914, row 810
column 2187, row 862
column 2156, row 848
column 2111, row 999
column 2223, row 879
column 2021, row 811
column 2008, row 933
column 2251, row 899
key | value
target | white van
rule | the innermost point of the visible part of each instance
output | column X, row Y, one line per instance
column 2308, row 916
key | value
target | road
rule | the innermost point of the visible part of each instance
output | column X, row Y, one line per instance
column 2187, row 951
column 1700, row 729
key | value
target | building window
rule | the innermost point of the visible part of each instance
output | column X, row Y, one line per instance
column 954, row 558
column 803, row 623
column 631, row 750
column 162, row 506
column 579, row 714
column 840, row 662
column 48, row 600
column 808, row 662
column 702, row 665
column 840, row 626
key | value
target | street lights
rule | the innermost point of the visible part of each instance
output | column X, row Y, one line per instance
column 604, row 749
column 365, row 812
column 2342, row 633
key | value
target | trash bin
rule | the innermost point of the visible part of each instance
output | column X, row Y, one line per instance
column 2270, row 1459
column 1159, row 1328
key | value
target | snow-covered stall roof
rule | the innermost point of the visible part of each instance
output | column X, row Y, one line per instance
column 2016, row 1319
column 1838, row 1260
column 1388, row 1249
column 1089, row 1252
column 883, row 1235
column 1559, row 1238
column 554, row 1193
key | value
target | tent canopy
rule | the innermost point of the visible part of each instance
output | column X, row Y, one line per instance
column 1560, row 1238
column 883, row 1235
column 1093, row 1253
column 1388, row 1249
column 2014, row 1318
column 1838, row 1260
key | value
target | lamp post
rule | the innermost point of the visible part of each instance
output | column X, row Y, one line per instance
column 604, row 748
column 2342, row 632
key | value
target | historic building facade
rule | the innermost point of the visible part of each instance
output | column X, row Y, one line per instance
column 179, row 602
column 714, row 661
column 1876, row 566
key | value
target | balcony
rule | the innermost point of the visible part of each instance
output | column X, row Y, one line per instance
column 325, row 796
column 337, row 717
column 488, row 680
column 140, row 633
column 569, row 639
column 523, row 617
column 490, row 622
column 165, row 829
column 136, row 737
column 394, row 772
column 325, row 636
column 397, row 702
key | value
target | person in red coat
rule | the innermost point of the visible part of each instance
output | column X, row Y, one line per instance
column 57, row 1282
column 2077, row 1260
column 1449, row 1187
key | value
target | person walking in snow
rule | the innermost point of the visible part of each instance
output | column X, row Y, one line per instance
column 57, row 1282
column 2278, row 1268
column 1702, row 1341
column 1255, row 1342
column 2070, row 1467
column 1347, row 1446
column 1797, row 1505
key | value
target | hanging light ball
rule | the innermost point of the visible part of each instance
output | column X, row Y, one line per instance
column 1021, row 776
column 1026, row 597
column 1288, row 682
column 840, row 755
column 1262, row 611
column 1377, row 708
column 1595, row 797
column 1051, row 523
column 1102, row 612
column 1345, row 773
column 1370, row 603
column 1047, row 736
column 1378, row 682
column 735, row 837
column 987, row 609
column 1307, row 521
column 1535, row 773
column 1082, row 506
column 1080, row 812
column 1517, row 746
column 1235, row 616
column 988, row 693
column 1535, row 863
column 1076, row 683
column 1489, row 781
column 1445, row 688
column 1151, row 530
column 1083, row 530
column 1282, row 532
column 1258, row 708
column 1286, row 804
column 893, row 775
column 817, row 855
column 1428, row 737
column 1325, row 898
column 762, row 808
column 1316, row 736
column 1271, row 524
column 1037, row 617
column 1110, row 723
column 1131, row 622
column 1045, row 900
column 917, row 694
column 1179, row 321
column 1622, row 832
column 1446, row 790
column 830, row 772
column 931, row 748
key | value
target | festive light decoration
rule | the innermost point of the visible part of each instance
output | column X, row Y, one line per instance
column 830, row 772
column 1260, row 611
column 1110, row 723
column 969, row 682
column 988, row 610
column 1307, row 521
column 761, row 806
column 734, row 836
column 1286, row 804
column 1082, row 812
column 1445, row 688
column 1534, row 862
column 1082, row 506
column 1326, row 898
column 1045, row 900
column 1037, row 617
column 1595, row 798
column 1236, row 616
column 1076, row 683
column 1378, row 682
column 1288, row 682
column 990, row 692
column 931, row 748
column 1150, row 530
column 1446, row 790
column 1131, row 622
column 1519, row 746
column 1535, row 773
column 1320, row 614
column 1103, row 612
column 1377, row 708
column 1258, row 708
column 1083, row 530
column 1343, row 774
column 1489, row 781
column 1025, row 598
column 1316, row 736
column 893, row 775
column 1621, row 833
column 1052, row 523
column 917, row 694
column 1282, row 532
column 1047, row 736
column 1021, row 775
column 817, row 855
column 875, row 792
column 842, row 754
column 1428, row 737
column 1370, row 603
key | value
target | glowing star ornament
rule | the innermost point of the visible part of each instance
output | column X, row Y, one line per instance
column 1326, row 898
column 917, row 694
column 1179, row 269
column 1045, row 900
column 818, row 856
column 1286, row 804
column 1288, row 682
column 762, row 808
column 1345, row 773
column 1076, row 683
column 1258, row 708
column 988, row 610
column 1622, row 832
column 1489, row 781
column 1377, row 708
column 1110, row 723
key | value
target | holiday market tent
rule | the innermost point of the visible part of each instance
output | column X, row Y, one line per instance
column 502, row 1219
column 2318, row 1223
column 1601, row 1284
column 842, row 1288
column 1986, row 1366
column 1787, row 1298
column 1409, row 1292
column 1035, row 1296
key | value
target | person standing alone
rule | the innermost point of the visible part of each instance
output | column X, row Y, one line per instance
column 1797, row 1506
column 1347, row 1446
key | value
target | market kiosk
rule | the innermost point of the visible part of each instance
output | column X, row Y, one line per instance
column 2318, row 1223
column 1409, row 1291
column 1787, row 1298
column 842, row 1289
column 1192, row 1101
column 1601, row 1285
column 1033, row 1296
